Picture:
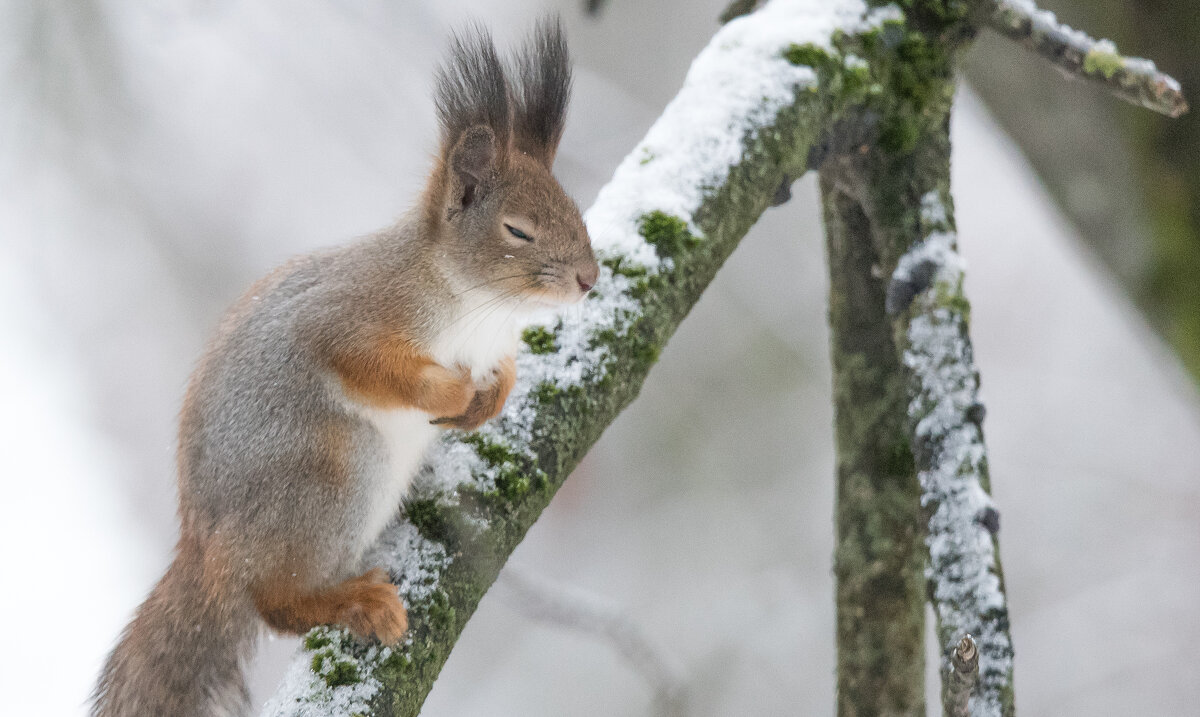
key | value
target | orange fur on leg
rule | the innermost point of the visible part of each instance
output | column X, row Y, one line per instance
column 368, row 605
column 388, row 372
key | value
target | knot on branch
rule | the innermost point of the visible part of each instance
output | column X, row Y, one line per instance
column 906, row 283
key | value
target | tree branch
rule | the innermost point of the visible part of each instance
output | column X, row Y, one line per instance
column 1130, row 183
column 900, row 351
column 879, row 562
column 966, row 580
column 1133, row 79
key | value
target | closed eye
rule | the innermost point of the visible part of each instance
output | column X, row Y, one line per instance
column 517, row 233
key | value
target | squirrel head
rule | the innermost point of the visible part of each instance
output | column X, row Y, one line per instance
column 501, row 218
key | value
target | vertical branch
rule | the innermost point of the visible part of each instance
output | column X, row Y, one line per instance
column 905, row 199
column 885, row 193
column 880, row 558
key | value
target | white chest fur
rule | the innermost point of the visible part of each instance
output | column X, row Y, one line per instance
column 405, row 434
column 483, row 333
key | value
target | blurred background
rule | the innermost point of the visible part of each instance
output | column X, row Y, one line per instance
column 157, row 158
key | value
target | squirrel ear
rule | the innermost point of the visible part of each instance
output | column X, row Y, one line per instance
column 472, row 161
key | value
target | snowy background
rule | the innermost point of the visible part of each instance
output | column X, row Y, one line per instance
column 155, row 160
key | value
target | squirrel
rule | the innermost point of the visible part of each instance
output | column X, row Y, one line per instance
column 308, row 416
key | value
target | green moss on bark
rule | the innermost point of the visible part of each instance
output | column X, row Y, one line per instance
column 1102, row 62
column 335, row 672
column 807, row 54
column 667, row 234
column 540, row 340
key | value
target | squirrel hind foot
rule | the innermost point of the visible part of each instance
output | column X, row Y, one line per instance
column 369, row 605
column 373, row 608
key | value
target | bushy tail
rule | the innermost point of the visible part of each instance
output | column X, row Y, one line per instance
column 182, row 655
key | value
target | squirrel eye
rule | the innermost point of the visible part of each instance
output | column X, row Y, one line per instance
column 517, row 233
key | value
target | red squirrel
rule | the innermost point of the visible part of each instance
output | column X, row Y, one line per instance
column 308, row 416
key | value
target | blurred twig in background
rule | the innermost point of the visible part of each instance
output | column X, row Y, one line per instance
column 545, row 601
column 593, row 7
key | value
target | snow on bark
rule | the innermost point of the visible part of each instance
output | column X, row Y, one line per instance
column 948, row 447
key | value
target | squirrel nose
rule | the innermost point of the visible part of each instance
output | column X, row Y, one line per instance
column 587, row 278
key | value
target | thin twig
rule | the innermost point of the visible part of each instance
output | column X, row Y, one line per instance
column 964, row 673
column 543, row 600
column 1132, row 79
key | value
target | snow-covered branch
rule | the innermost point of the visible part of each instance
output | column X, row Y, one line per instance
column 966, row 583
column 1133, row 79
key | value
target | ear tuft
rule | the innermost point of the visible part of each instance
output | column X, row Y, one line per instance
column 472, row 89
column 543, row 72
column 472, row 159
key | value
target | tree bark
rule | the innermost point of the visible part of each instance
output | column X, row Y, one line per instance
column 912, row 472
column 898, row 287
column 879, row 561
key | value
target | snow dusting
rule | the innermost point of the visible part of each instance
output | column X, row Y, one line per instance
column 1044, row 22
column 951, row 461
column 306, row 693
column 414, row 562
column 933, row 211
